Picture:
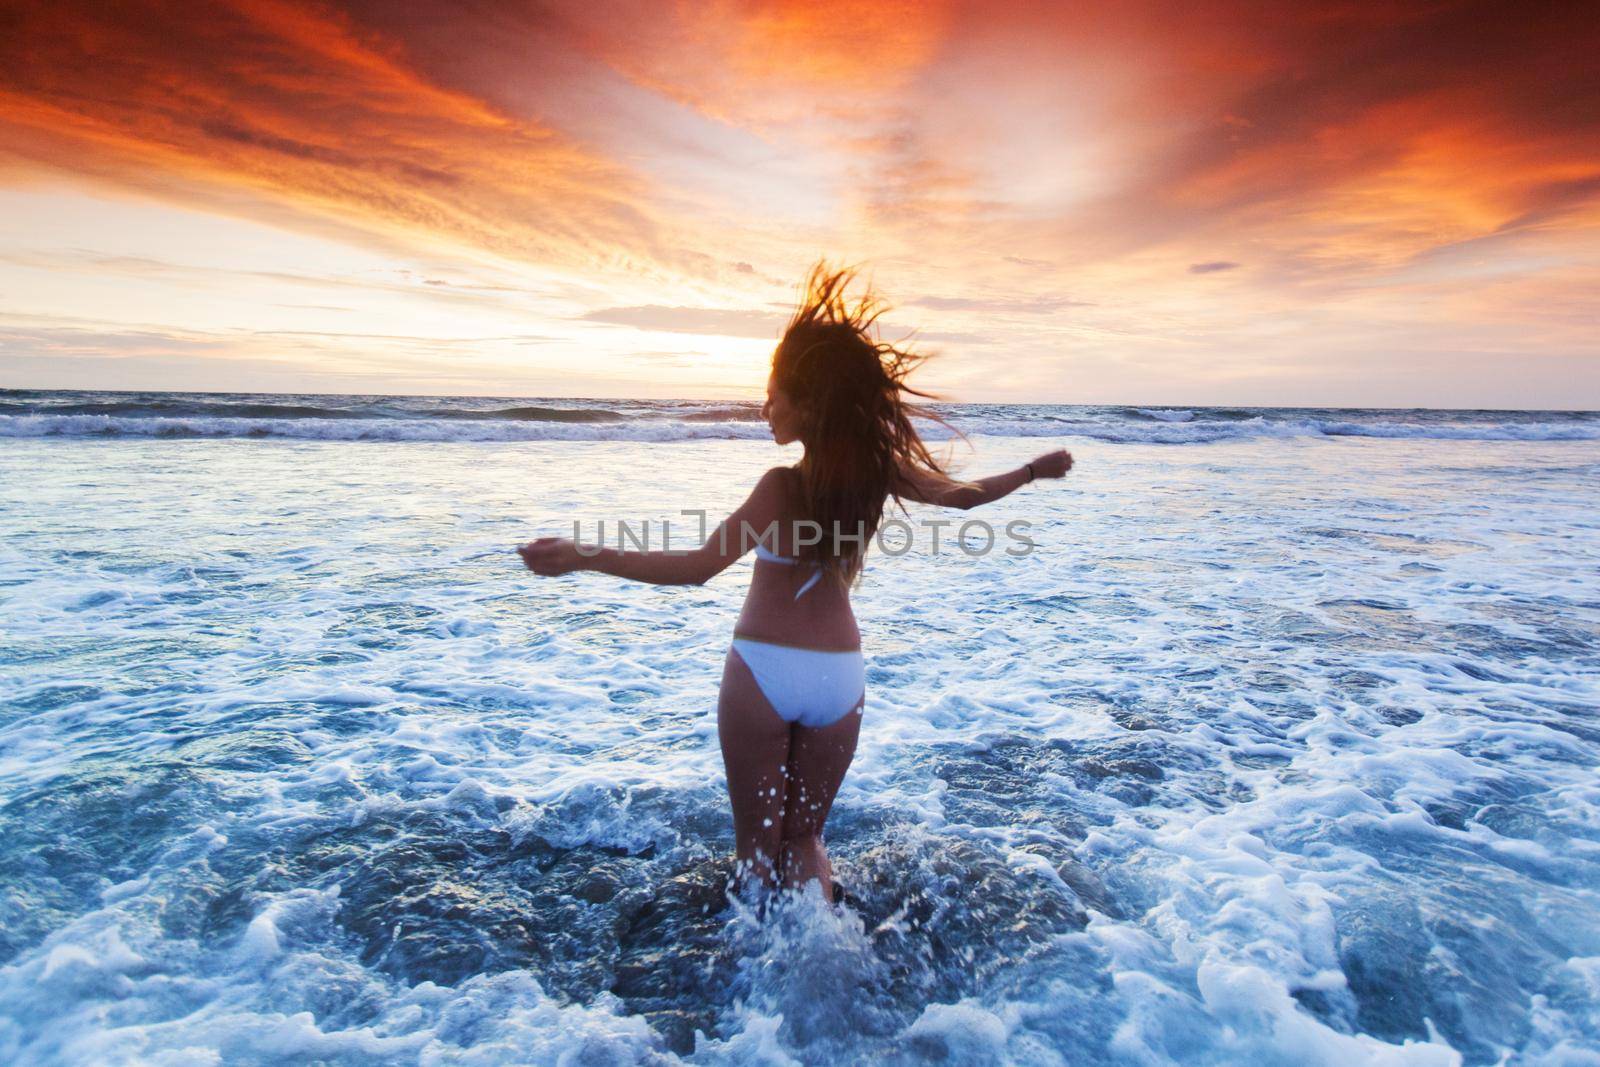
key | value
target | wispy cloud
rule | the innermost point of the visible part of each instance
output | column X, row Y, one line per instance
column 728, row 322
column 1038, row 305
column 302, row 106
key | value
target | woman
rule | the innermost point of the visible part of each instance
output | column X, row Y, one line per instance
column 792, row 684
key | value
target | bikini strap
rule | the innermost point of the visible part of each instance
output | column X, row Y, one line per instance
column 811, row 581
column 763, row 552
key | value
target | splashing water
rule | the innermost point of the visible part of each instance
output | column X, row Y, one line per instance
column 1277, row 749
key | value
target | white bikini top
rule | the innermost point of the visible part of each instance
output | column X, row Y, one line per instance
column 763, row 553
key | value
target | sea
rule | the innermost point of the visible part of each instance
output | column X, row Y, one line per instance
column 1278, row 744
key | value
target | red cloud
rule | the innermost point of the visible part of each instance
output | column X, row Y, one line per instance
column 1331, row 140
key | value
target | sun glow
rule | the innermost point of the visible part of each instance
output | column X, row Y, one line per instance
column 1145, row 206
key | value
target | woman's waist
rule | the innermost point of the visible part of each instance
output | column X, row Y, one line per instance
column 822, row 604
column 825, row 631
column 807, row 643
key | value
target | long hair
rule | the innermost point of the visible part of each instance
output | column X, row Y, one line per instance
column 855, row 417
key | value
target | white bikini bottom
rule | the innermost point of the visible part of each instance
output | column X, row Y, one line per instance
column 806, row 685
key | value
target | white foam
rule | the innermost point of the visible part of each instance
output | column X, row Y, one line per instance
column 349, row 605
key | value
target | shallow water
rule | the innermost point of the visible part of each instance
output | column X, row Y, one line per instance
column 1277, row 748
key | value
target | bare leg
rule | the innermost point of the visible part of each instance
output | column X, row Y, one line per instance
column 818, row 759
column 755, row 752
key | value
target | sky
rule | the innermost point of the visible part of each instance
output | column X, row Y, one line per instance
column 1322, row 204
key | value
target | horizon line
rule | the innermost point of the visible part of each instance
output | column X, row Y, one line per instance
column 716, row 400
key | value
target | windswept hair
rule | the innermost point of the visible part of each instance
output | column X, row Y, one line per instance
column 855, row 417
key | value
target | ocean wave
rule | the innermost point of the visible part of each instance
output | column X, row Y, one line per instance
column 535, row 414
column 658, row 422
column 391, row 430
column 748, row 413
column 1207, row 431
column 156, row 409
column 1538, row 431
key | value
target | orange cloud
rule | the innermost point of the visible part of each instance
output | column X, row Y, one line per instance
column 295, row 104
column 767, row 65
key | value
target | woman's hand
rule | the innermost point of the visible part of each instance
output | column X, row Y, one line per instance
column 1052, row 464
column 551, row 556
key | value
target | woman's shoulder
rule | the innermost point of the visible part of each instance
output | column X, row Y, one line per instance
column 781, row 477
column 777, row 488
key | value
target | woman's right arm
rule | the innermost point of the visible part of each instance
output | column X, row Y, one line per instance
column 927, row 487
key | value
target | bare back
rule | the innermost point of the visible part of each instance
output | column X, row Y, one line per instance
column 820, row 618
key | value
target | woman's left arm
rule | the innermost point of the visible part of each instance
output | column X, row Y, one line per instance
column 965, row 495
column 550, row 556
